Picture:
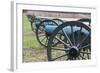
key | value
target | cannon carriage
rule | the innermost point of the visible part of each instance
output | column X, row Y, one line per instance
column 70, row 37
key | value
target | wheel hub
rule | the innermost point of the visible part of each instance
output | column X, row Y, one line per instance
column 73, row 52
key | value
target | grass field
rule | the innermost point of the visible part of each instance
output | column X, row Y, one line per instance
column 32, row 50
column 29, row 38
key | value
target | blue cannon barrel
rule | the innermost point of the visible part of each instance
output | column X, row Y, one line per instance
column 50, row 28
column 37, row 22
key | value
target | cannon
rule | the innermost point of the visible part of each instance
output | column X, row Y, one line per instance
column 39, row 25
column 71, row 41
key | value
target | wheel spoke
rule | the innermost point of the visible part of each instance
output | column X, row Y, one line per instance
column 79, row 36
column 88, row 54
column 82, row 57
column 80, row 33
column 85, row 52
column 46, row 42
column 83, row 40
column 63, row 42
column 73, row 36
column 67, row 37
column 59, row 57
column 84, row 46
column 43, row 39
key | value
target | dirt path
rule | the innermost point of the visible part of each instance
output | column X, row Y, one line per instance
column 34, row 55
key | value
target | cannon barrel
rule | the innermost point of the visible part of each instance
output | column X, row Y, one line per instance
column 50, row 28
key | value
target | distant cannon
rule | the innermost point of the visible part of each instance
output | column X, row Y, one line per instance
column 39, row 25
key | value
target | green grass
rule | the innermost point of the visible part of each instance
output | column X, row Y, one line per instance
column 26, row 24
column 29, row 37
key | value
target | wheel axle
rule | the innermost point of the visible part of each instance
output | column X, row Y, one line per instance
column 74, row 52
